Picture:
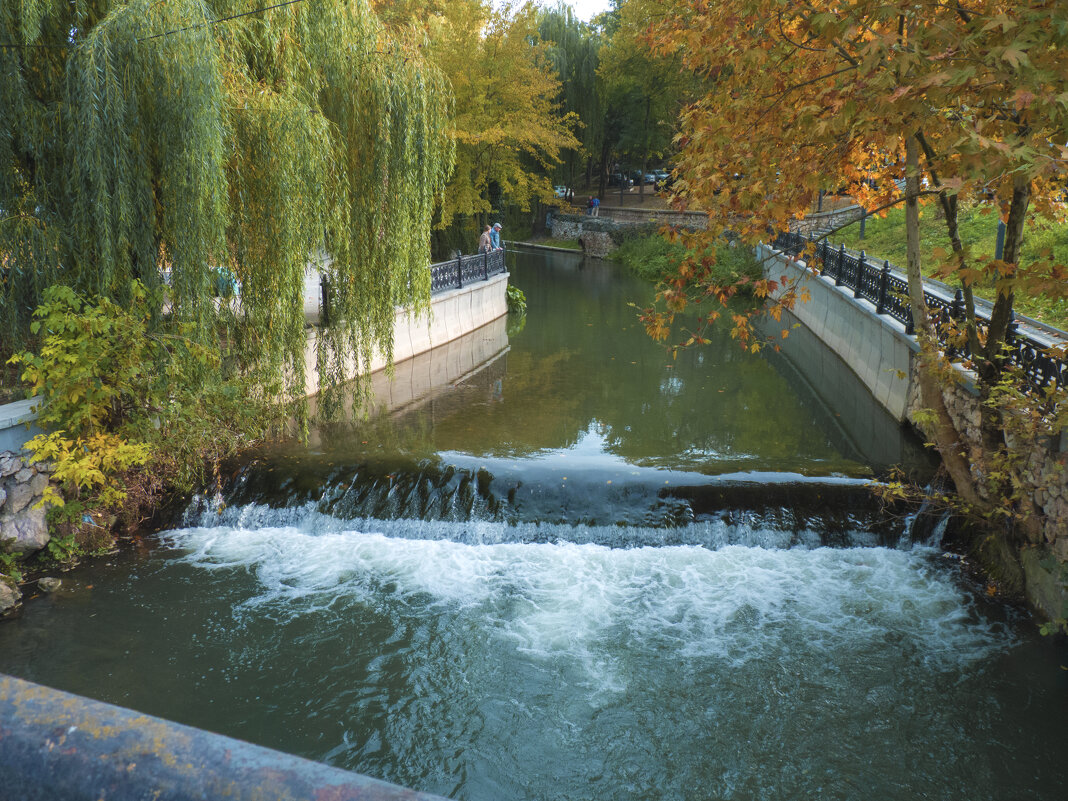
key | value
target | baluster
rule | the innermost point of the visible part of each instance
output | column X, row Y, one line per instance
column 459, row 271
column 839, row 266
column 884, row 286
column 958, row 305
column 485, row 266
column 910, row 325
column 324, row 288
column 861, row 267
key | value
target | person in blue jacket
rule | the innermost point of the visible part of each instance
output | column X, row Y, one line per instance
column 495, row 236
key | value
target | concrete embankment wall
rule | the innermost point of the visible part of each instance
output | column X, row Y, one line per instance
column 875, row 347
column 452, row 314
column 429, row 376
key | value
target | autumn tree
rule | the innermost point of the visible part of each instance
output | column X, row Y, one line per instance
column 161, row 141
column 506, row 123
column 963, row 102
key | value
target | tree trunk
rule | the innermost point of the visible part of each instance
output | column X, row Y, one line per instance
column 606, row 151
column 946, row 438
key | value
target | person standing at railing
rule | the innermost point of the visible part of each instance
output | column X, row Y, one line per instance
column 485, row 242
column 495, row 236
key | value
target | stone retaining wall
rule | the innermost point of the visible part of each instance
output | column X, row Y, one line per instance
column 23, row 529
column 826, row 220
column 696, row 220
column 598, row 236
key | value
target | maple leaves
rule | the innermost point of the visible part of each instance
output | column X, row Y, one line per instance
column 821, row 96
column 966, row 101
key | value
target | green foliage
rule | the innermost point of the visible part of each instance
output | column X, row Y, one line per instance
column 517, row 300
column 89, row 359
column 94, row 372
column 653, row 257
column 650, row 257
column 9, row 568
column 140, row 140
column 63, row 548
column 118, row 392
column 1051, row 627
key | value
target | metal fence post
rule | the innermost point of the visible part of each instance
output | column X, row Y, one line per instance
column 884, row 286
column 459, row 271
column 957, row 310
column 861, row 267
column 324, row 290
column 838, row 266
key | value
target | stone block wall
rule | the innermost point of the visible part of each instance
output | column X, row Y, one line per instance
column 1044, row 471
column 826, row 221
column 23, row 529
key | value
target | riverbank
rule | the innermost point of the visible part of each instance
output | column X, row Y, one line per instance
column 623, row 544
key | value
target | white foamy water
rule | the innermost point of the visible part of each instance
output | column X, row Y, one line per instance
column 555, row 597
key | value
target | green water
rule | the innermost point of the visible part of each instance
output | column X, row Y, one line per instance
column 580, row 570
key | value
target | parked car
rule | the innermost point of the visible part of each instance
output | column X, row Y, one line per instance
column 560, row 191
column 650, row 178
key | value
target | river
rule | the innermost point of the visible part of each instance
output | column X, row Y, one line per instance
column 576, row 568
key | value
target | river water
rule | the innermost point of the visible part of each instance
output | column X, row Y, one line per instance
column 558, row 564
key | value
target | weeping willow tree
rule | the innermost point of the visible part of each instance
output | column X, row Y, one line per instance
column 161, row 141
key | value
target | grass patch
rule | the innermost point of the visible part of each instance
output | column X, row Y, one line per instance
column 884, row 238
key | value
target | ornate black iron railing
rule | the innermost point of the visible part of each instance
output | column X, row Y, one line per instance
column 464, row 270
column 888, row 292
column 445, row 275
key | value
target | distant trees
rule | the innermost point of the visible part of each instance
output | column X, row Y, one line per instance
column 573, row 48
column 645, row 90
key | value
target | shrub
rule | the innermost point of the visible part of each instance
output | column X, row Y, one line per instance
column 115, row 399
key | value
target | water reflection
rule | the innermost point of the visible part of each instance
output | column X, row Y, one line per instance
column 582, row 381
